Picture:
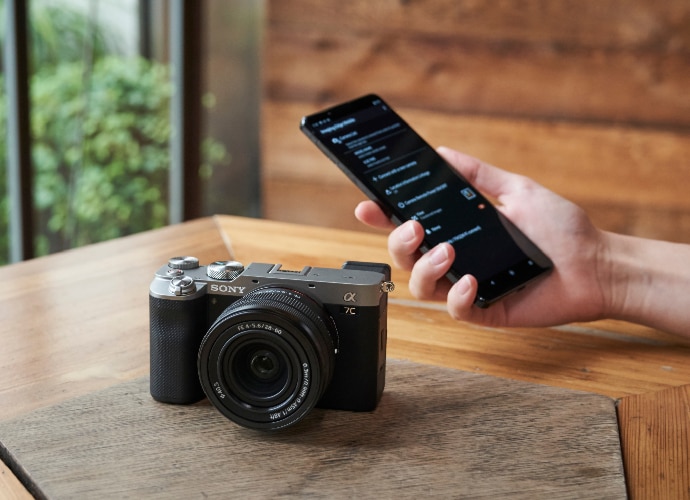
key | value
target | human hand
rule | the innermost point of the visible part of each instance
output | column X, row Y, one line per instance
column 573, row 291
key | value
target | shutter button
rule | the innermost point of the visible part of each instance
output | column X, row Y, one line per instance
column 182, row 285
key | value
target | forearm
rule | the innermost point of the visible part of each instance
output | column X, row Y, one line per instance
column 648, row 282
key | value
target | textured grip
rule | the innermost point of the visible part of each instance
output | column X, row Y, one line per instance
column 177, row 328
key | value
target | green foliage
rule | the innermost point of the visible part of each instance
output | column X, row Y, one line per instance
column 60, row 34
column 100, row 156
column 100, row 138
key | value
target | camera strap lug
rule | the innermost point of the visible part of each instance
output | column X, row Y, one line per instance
column 387, row 286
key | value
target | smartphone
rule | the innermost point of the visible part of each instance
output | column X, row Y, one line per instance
column 395, row 167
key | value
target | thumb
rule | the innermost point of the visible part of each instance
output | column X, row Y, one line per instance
column 491, row 180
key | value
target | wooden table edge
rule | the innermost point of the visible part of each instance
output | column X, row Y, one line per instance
column 655, row 443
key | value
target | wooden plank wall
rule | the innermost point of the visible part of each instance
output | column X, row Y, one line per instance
column 589, row 97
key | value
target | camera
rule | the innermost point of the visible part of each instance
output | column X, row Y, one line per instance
column 266, row 345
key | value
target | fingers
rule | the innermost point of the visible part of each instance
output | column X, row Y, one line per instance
column 403, row 241
column 403, row 244
column 491, row 180
column 460, row 304
column 461, row 298
column 428, row 277
column 371, row 214
column 427, row 280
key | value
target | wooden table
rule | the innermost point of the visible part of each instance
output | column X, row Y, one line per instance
column 72, row 324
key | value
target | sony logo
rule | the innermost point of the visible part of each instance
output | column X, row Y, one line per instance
column 227, row 288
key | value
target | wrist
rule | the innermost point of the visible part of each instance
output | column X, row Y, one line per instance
column 645, row 281
column 618, row 267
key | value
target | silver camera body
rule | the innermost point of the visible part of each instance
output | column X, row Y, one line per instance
column 266, row 345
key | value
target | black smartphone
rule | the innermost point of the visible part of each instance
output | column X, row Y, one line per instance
column 395, row 167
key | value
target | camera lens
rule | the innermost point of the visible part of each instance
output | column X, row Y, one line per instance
column 259, row 371
column 268, row 358
column 264, row 365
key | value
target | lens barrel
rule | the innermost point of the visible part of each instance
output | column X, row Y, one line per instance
column 268, row 358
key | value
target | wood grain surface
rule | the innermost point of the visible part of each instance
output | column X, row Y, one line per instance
column 606, row 357
column 77, row 322
column 629, row 180
column 657, row 424
column 471, row 436
column 10, row 487
column 612, row 60
column 589, row 98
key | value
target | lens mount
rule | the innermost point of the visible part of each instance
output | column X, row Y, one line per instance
column 268, row 358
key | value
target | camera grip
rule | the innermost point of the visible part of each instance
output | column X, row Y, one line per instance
column 177, row 327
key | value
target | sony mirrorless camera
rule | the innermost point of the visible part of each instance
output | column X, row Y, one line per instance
column 266, row 345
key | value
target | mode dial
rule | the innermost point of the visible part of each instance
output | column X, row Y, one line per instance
column 184, row 262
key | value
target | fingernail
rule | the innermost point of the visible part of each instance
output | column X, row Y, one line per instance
column 407, row 234
column 439, row 255
column 463, row 286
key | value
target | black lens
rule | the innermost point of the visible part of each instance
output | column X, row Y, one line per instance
column 259, row 372
column 268, row 358
column 264, row 365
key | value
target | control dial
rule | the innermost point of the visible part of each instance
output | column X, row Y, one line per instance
column 224, row 270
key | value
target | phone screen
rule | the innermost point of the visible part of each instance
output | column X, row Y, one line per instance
column 395, row 167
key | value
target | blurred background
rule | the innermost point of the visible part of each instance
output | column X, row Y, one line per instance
column 141, row 113
column 589, row 97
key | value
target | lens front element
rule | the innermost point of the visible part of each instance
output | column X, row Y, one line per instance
column 258, row 370
column 268, row 358
column 264, row 365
